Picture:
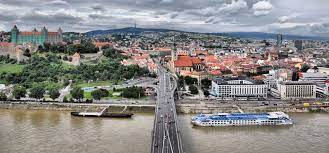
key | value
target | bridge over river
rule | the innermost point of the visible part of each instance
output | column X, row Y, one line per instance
column 165, row 135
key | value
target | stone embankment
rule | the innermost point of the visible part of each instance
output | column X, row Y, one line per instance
column 229, row 108
column 133, row 108
column 186, row 108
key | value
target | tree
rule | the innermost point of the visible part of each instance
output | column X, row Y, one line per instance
column 65, row 99
column 189, row 80
column 304, row 68
column 3, row 96
column 97, row 94
column 206, row 83
column 54, row 93
column 77, row 93
column 37, row 92
column 180, row 82
column 295, row 76
column 19, row 92
column 133, row 92
column 206, row 93
column 193, row 89
column 27, row 52
column 65, row 58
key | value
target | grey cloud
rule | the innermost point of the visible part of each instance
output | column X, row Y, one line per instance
column 174, row 15
column 98, row 7
column 57, row 18
column 194, row 15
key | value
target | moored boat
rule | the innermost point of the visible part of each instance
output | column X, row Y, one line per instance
column 96, row 114
column 242, row 119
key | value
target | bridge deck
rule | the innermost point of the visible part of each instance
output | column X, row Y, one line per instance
column 165, row 136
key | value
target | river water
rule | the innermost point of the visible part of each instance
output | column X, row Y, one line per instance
column 57, row 132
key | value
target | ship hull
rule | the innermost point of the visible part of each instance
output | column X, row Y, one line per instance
column 228, row 124
column 110, row 115
column 242, row 119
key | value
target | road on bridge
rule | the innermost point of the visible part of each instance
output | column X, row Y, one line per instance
column 166, row 135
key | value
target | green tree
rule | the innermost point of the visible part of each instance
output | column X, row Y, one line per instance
column 206, row 93
column 37, row 92
column 54, row 93
column 180, row 82
column 304, row 68
column 189, row 80
column 193, row 89
column 97, row 94
column 19, row 92
column 133, row 92
column 65, row 99
column 206, row 83
column 27, row 52
column 77, row 93
column 3, row 96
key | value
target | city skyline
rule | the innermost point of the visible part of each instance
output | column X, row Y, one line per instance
column 288, row 17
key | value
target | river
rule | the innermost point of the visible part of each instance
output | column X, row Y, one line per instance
column 58, row 132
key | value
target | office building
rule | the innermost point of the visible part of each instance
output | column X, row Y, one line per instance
column 238, row 88
column 299, row 44
column 290, row 90
column 279, row 40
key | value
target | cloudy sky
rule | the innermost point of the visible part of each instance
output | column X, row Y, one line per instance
column 302, row 17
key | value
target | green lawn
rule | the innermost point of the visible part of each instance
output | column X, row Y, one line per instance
column 11, row 68
column 87, row 95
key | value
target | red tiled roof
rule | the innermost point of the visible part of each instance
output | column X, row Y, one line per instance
column 30, row 33
column 101, row 44
column 5, row 44
column 215, row 72
column 164, row 49
column 52, row 33
column 183, row 61
column 196, row 60
column 211, row 59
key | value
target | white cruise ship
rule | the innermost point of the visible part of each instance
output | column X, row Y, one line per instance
column 242, row 119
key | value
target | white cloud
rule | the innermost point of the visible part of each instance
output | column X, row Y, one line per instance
column 234, row 7
column 288, row 18
column 58, row 2
column 167, row 1
column 262, row 8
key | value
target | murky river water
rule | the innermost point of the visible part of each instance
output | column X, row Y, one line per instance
column 58, row 132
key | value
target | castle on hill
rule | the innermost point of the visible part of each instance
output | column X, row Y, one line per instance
column 35, row 36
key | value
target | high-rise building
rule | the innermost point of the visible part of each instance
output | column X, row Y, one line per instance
column 20, row 37
column 299, row 45
column 279, row 39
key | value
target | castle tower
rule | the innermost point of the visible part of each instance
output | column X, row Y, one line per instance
column 60, row 31
column 60, row 34
column 14, row 34
column 44, row 35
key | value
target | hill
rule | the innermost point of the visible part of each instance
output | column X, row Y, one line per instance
column 262, row 35
column 127, row 30
column 243, row 35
